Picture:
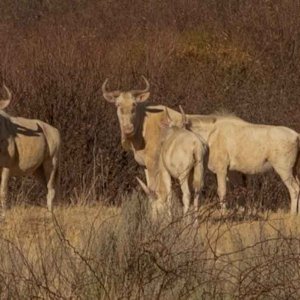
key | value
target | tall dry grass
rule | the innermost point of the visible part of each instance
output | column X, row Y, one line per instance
column 102, row 252
column 234, row 55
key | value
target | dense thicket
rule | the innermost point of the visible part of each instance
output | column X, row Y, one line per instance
column 242, row 56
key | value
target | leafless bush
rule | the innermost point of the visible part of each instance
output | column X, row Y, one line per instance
column 234, row 55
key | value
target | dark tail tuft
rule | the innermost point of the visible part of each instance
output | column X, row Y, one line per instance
column 297, row 163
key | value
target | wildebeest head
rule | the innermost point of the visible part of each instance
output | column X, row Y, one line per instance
column 168, row 122
column 126, row 103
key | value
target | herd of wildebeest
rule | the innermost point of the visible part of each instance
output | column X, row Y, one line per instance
column 167, row 143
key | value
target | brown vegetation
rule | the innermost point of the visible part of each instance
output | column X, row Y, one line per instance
column 236, row 55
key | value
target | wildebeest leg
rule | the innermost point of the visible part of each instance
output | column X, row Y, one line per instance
column 294, row 192
column 298, row 192
column 186, row 194
column 197, row 183
column 196, row 203
column 147, row 176
column 168, row 192
column 196, row 200
column 158, row 212
column 50, row 169
column 292, row 185
column 3, row 189
column 151, row 177
column 221, row 178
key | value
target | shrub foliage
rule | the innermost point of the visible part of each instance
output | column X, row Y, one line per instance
column 205, row 55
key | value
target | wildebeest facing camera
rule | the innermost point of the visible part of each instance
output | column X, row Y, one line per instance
column 238, row 57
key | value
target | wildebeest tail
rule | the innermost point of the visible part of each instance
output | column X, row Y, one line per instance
column 297, row 164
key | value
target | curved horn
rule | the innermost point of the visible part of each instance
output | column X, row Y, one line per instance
column 109, row 96
column 144, row 186
column 147, row 84
column 144, row 90
column 5, row 102
column 184, row 119
column 104, row 91
column 9, row 95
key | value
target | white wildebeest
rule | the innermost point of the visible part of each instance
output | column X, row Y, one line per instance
column 140, row 125
column 181, row 152
column 233, row 144
column 28, row 147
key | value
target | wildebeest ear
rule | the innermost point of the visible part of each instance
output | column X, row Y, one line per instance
column 142, row 97
column 166, row 121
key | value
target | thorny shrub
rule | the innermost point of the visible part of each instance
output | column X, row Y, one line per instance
column 205, row 55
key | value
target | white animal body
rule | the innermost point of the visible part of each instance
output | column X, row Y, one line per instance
column 233, row 143
column 181, row 157
column 27, row 147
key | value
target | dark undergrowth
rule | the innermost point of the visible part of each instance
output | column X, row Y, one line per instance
column 205, row 55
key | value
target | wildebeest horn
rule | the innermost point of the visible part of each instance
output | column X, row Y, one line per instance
column 184, row 119
column 9, row 96
column 5, row 102
column 109, row 96
column 142, row 91
column 104, row 91
column 144, row 186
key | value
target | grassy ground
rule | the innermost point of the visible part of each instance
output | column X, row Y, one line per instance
column 109, row 253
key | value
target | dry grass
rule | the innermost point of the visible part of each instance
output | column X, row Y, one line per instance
column 108, row 253
column 26, row 222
